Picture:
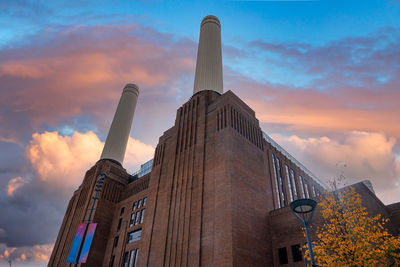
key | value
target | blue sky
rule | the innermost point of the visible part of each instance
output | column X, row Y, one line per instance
column 322, row 76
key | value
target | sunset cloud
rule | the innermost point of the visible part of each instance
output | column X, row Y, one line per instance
column 81, row 70
column 344, row 85
column 14, row 184
column 37, row 254
column 62, row 161
column 355, row 155
column 333, row 102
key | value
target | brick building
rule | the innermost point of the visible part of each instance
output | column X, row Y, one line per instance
column 216, row 192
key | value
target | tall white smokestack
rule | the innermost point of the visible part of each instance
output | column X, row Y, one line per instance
column 117, row 137
column 209, row 57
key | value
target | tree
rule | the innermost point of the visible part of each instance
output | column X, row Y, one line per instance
column 349, row 237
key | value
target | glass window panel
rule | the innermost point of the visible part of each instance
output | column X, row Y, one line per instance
column 276, row 181
column 122, row 212
column 139, row 205
column 134, row 236
column 282, row 254
column 119, row 224
column 132, row 219
column 289, row 182
column 297, row 253
column 306, row 187
column 125, row 262
column 281, row 181
column 137, row 217
column 294, row 184
column 302, row 186
column 134, row 206
column 144, row 201
column 142, row 215
column 131, row 258
column 136, row 257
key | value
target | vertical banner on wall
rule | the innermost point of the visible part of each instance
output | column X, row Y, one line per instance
column 76, row 243
column 87, row 243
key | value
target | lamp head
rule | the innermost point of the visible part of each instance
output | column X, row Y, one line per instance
column 303, row 209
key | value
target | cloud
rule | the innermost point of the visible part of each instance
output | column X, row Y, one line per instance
column 79, row 71
column 38, row 253
column 344, row 85
column 136, row 154
column 356, row 155
column 14, row 184
column 58, row 164
column 61, row 161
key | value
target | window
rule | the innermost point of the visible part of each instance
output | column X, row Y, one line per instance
column 132, row 219
column 276, row 181
column 134, row 206
column 119, row 224
column 302, row 186
column 122, row 212
column 125, row 262
column 289, row 183
column 306, row 186
column 313, row 191
column 136, row 257
column 116, row 241
column 139, row 205
column 144, row 201
column 282, row 254
column 142, row 215
column 133, row 257
column 296, row 253
column 134, row 236
column 137, row 217
column 112, row 261
column 294, row 184
column 281, row 182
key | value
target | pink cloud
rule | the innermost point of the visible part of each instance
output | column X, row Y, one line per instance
column 82, row 70
column 14, row 184
column 325, row 112
column 356, row 155
column 61, row 161
column 36, row 254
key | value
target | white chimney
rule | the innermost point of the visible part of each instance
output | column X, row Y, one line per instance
column 209, row 57
column 118, row 136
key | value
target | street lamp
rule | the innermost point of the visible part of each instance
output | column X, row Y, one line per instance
column 304, row 209
column 98, row 186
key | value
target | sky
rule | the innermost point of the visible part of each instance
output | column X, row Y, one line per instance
column 322, row 76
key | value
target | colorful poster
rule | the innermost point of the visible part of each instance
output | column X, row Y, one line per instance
column 76, row 243
column 87, row 243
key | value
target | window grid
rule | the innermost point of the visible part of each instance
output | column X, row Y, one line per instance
column 281, row 182
column 276, row 181
column 134, row 236
column 306, row 187
column 289, row 182
column 296, row 196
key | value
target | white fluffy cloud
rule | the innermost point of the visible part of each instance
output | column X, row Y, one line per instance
column 62, row 161
column 356, row 155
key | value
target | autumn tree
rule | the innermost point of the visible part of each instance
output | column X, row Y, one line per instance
column 349, row 237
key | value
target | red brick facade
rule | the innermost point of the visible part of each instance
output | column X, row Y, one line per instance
column 217, row 195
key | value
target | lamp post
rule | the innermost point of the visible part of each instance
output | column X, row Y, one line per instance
column 99, row 184
column 304, row 209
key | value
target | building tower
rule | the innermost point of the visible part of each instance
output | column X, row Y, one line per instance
column 116, row 179
column 216, row 192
